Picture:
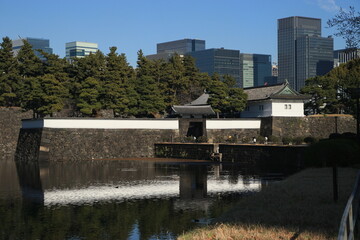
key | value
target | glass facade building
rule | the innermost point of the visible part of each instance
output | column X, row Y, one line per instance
column 345, row 55
column 181, row 47
column 255, row 70
column 36, row 43
column 219, row 60
column 80, row 49
column 301, row 49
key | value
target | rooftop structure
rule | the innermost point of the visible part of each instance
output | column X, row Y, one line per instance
column 36, row 43
column 80, row 49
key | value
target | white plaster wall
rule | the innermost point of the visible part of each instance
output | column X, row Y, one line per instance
column 233, row 124
column 279, row 110
column 101, row 124
column 254, row 110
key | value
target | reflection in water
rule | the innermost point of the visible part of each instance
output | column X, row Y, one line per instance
column 119, row 199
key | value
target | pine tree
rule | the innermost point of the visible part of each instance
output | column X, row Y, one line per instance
column 9, row 77
column 29, row 64
column 53, row 95
column 150, row 100
column 88, row 100
column 116, row 82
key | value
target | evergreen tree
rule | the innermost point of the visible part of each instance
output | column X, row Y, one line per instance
column 9, row 77
column 219, row 98
column 116, row 83
column 150, row 100
column 29, row 64
column 88, row 100
column 31, row 95
column 225, row 97
column 330, row 92
column 53, row 95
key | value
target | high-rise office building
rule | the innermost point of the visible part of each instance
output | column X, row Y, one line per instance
column 219, row 60
column 255, row 70
column 80, row 49
column 345, row 55
column 182, row 46
column 36, row 43
column 302, row 52
column 167, row 49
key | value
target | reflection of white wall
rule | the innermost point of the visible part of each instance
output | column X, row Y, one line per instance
column 144, row 190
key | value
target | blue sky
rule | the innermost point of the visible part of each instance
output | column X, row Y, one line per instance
column 247, row 25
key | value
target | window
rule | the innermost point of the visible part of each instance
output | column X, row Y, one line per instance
column 289, row 106
column 286, row 106
column 261, row 107
column 247, row 108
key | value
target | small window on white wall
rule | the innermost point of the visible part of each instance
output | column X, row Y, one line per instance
column 289, row 106
column 286, row 106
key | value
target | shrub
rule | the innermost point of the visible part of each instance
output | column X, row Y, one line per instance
column 274, row 139
column 286, row 140
column 310, row 140
column 202, row 139
column 343, row 152
column 298, row 140
column 260, row 139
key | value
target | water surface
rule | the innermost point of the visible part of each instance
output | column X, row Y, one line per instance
column 117, row 199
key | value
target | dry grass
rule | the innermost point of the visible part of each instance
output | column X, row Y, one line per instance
column 300, row 207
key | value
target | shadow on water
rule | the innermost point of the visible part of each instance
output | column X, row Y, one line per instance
column 120, row 199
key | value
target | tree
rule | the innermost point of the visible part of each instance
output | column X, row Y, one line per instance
column 9, row 77
column 29, row 64
column 330, row 92
column 53, row 94
column 88, row 100
column 348, row 26
column 147, row 85
column 219, row 98
column 116, row 84
column 225, row 97
column 31, row 94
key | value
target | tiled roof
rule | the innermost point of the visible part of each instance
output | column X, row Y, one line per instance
column 202, row 100
column 193, row 110
column 273, row 92
column 264, row 92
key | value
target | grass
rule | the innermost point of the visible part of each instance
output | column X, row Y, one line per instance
column 300, row 207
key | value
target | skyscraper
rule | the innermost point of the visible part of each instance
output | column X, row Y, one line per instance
column 166, row 50
column 345, row 55
column 219, row 60
column 255, row 69
column 302, row 52
column 36, row 43
column 80, row 49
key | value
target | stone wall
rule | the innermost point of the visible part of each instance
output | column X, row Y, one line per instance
column 232, row 135
column 85, row 144
column 315, row 126
column 10, row 124
column 270, row 157
column 199, row 151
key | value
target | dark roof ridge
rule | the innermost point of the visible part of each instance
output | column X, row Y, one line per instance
column 272, row 85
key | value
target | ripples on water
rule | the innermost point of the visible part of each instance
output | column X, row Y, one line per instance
column 139, row 199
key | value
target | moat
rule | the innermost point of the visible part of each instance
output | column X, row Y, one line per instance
column 118, row 199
